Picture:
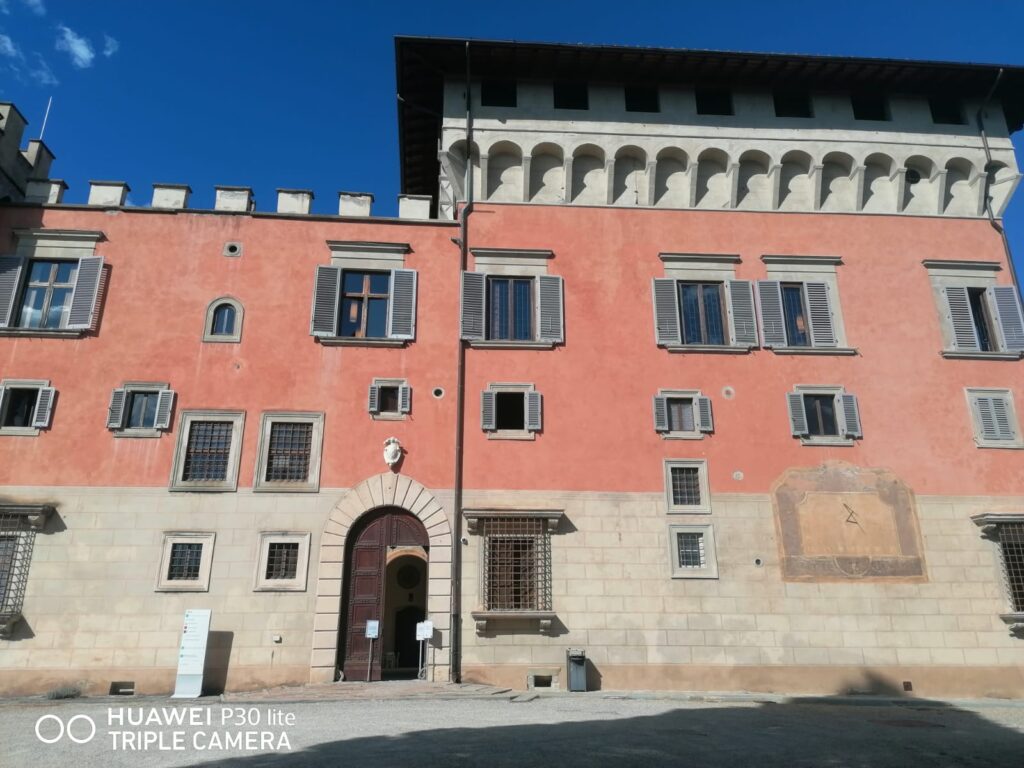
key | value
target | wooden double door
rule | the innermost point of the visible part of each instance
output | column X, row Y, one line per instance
column 366, row 557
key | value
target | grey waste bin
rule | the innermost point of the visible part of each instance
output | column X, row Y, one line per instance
column 576, row 659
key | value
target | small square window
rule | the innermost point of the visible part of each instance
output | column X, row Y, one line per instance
column 821, row 415
column 26, row 406
column 498, row 93
column 692, row 552
column 289, row 452
column 571, row 95
column 994, row 418
column 389, row 399
column 947, row 111
column 208, row 451
column 141, row 410
column 824, row 415
column 870, row 106
column 713, row 101
column 510, row 412
column 19, row 407
column 686, row 486
column 680, row 415
column 642, row 98
column 283, row 562
column 793, row 104
column 185, row 562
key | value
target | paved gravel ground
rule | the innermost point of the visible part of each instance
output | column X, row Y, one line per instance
column 582, row 730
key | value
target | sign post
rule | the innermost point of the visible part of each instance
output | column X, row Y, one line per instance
column 192, row 654
column 424, row 632
column 372, row 632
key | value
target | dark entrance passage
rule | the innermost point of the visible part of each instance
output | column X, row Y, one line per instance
column 381, row 549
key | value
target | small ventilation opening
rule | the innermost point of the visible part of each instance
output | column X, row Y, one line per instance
column 232, row 249
column 542, row 681
column 122, row 688
column 908, row 686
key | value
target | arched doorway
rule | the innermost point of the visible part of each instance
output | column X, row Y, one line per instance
column 381, row 549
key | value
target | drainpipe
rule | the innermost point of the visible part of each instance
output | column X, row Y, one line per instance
column 460, row 400
column 998, row 227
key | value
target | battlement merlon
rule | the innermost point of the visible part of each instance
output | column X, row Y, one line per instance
column 19, row 166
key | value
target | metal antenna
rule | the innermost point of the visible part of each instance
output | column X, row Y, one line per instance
column 42, row 130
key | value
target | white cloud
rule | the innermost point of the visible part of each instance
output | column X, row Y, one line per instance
column 5, row 8
column 36, row 6
column 41, row 72
column 8, row 48
column 110, row 46
column 77, row 47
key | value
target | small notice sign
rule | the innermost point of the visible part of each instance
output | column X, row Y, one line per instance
column 192, row 654
column 424, row 630
column 373, row 629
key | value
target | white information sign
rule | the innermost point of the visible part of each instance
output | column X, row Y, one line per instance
column 373, row 629
column 425, row 630
column 192, row 654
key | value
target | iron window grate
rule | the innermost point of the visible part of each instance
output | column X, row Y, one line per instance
column 685, row 486
column 282, row 560
column 1011, row 542
column 17, row 540
column 691, row 550
column 517, row 564
column 207, row 451
column 288, row 452
column 186, row 559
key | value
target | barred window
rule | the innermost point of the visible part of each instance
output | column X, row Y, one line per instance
column 685, row 486
column 185, row 561
column 517, row 564
column 1011, row 545
column 207, row 451
column 282, row 560
column 17, row 541
column 288, row 452
column 691, row 549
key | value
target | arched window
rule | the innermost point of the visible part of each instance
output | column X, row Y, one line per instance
column 223, row 321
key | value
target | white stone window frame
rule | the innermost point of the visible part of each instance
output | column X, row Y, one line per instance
column 835, row 390
column 811, row 269
column 512, row 434
column 704, row 507
column 20, row 384
column 971, row 393
column 261, row 583
column 228, row 338
column 202, row 583
column 683, row 394
column 398, row 415
column 523, row 263
column 312, row 482
column 705, row 268
column 185, row 421
column 132, row 387
column 709, row 569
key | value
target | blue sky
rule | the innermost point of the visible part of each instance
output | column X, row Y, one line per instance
column 301, row 94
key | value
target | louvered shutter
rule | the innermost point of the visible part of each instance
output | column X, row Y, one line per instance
column 487, row 411
column 402, row 309
column 164, row 406
column 550, row 309
column 851, row 415
column 115, row 413
column 10, row 279
column 702, row 410
column 44, row 407
column 660, row 413
column 742, row 325
column 326, row 286
column 666, row 312
column 405, row 398
column 965, row 337
column 1004, row 424
column 373, row 399
column 983, row 406
column 773, row 324
column 819, row 313
column 534, row 416
column 87, row 286
column 1008, row 316
column 474, row 286
column 3, row 395
column 797, row 414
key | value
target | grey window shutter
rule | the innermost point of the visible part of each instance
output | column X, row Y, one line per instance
column 164, row 406
column 487, row 410
column 373, row 399
column 994, row 415
column 326, row 286
column 819, row 313
column 702, row 410
column 660, row 413
column 965, row 336
column 1009, row 318
column 10, row 279
column 474, row 286
column 405, row 398
column 534, row 416
column 797, row 414
column 3, row 394
column 740, row 298
column 550, row 310
column 773, row 324
column 44, row 408
column 402, row 309
column 666, row 311
column 115, row 413
column 87, row 286
column 851, row 415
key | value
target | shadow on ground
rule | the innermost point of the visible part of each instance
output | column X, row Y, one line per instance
column 816, row 731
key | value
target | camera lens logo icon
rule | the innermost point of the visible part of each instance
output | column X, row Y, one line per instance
column 81, row 729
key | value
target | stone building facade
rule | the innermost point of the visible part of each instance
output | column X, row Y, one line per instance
column 706, row 364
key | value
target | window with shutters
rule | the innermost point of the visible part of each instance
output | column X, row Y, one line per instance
column 140, row 409
column 994, row 418
column 185, row 562
column 512, row 310
column 691, row 551
column 224, row 321
column 823, row 415
column 289, row 452
column 389, row 399
column 283, row 561
column 208, row 451
column 511, row 411
column 26, row 406
column 686, row 486
column 982, row 321
column 682, row 414
column 702, row 313
column 798, row 306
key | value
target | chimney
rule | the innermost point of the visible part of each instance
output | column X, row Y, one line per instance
column 171, row 195
column 45, row 191
column 294, row 200
column 354, row 203
column 108, row 193
column 414, row 206
column 234, row 199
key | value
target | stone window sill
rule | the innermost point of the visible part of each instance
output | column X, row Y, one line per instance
column 695, row 573
column 138, row 433
column 183, row 587
column 389, row 416
column 486, row 619
column 715, row 349
column 952, row 354
column 827, row 442
column 512, row 344
column 42, row 333
column 187, row 487
column 18, row 431
column 844, row 351
column 682, row 435
column 341, row 341
column 511, row 434
column 265, row 487
column 1011, row 445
